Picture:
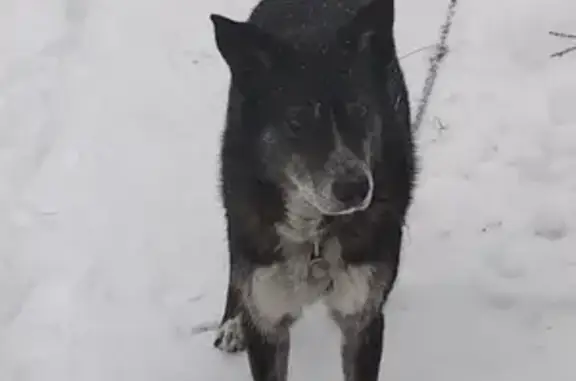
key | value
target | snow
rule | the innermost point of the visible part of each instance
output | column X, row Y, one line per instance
column 112, row 249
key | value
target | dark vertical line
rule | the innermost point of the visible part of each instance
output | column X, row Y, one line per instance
column 435, row 62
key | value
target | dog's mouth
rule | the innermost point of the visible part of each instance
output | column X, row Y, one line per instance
column 338, row 198
column 344, row 186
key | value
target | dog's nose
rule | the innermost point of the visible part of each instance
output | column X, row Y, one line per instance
column 351, row 192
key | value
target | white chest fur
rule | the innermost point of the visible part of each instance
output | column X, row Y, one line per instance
column 285, row 288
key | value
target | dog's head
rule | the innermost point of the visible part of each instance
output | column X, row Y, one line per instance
column 316, row 112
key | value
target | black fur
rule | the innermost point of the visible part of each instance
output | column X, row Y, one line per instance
column 335, row 63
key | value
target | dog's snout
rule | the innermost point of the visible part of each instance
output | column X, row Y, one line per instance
column 351, row 191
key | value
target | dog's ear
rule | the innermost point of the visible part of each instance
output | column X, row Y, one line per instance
column 372, row 27
column 248, row 50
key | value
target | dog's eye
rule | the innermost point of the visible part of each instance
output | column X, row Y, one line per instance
column 294, row 126
column 356, row 108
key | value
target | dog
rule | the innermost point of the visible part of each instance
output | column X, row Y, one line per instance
column 317, row 167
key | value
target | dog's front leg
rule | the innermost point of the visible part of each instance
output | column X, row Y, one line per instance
column 362, row 349
column 270, row 310
column 267, row 351
column 355, row 303
column 274, row 298
column 230, row 336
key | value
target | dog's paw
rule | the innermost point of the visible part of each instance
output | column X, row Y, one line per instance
column 230, row 336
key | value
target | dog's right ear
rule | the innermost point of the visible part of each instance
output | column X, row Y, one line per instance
column 247, row 49
column 373, row 26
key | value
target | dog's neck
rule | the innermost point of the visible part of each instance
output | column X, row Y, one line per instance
column 302, row 224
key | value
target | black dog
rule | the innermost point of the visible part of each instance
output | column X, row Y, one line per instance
column 317, row 167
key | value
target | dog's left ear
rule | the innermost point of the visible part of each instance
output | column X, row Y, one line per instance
column 371, row 28
column 248, row 50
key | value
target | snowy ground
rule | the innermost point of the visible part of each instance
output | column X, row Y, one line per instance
column 111, row 237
